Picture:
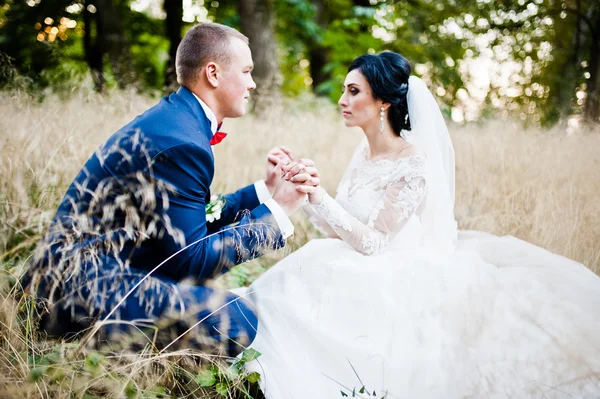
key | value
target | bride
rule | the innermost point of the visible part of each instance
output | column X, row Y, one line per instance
column 399, row 302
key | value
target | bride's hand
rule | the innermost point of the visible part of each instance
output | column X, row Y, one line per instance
column 306, row 175
column 315, row 193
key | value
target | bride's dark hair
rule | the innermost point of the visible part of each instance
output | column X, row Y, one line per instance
column 387, row 74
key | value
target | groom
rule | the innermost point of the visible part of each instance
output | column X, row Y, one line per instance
column 130, row 249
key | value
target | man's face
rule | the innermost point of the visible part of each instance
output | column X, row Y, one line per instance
column 236, row 81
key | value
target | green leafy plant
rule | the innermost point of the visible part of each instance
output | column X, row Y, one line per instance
column 362, row 392
column 223, row 379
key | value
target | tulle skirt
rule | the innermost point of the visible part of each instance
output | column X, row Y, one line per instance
column 495, row 318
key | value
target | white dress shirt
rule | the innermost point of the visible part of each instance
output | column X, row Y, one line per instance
column 263, row 194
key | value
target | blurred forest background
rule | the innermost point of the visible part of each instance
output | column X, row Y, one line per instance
column 536, row 60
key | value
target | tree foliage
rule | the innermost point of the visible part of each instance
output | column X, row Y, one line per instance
column 540, row 57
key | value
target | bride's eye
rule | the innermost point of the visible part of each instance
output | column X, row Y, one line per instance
column 354, row 91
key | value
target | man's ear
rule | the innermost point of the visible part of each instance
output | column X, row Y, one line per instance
column 211, row 70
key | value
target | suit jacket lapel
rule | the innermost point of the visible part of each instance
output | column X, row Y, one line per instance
column 198, row 112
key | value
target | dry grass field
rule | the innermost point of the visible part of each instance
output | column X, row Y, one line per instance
column 539, row 185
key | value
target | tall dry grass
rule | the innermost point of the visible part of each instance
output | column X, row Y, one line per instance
column 539, row 185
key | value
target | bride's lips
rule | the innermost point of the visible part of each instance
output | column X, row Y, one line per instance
column 346, row 113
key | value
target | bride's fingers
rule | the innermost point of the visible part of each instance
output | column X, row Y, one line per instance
column 300, row 178
column 307, row 189
column 303, row 174
column 306, row 179
column 291, row 165
column 294, row 170
column 307, row 162
column 302, row 163
column 311, row 170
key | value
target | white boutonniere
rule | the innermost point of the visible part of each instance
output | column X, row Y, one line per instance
column 214, row 207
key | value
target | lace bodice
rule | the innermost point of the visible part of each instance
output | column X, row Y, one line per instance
column 374, row 201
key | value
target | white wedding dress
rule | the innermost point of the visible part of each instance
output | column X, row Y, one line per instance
column 406, row 316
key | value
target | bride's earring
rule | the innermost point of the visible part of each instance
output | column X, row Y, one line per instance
column 381, row 117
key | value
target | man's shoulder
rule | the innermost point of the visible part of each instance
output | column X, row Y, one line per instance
column 170, row 113
column 168, row 123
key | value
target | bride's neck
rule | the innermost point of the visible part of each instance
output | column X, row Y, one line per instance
column 382, row 143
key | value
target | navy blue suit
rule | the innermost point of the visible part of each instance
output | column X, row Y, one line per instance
column 138, row 201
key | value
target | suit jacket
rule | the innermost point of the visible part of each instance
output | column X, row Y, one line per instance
column 140, row 199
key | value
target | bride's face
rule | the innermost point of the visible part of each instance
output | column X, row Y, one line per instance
column 359, row 108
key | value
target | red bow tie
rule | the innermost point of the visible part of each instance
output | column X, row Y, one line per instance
column 217, row 138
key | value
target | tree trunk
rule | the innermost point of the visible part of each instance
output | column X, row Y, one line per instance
column 115, row 43
column 591, row 110
column 566, row 82
column 318, row 57
column 363, row 3
column 257, row 18
column 317, row 54
column 92, row 48
column 173, row 25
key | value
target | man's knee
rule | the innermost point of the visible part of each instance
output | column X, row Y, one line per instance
column 246, row 318
column 244, row 326
column 213, row 320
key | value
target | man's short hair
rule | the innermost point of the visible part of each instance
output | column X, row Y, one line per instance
column 204, row 43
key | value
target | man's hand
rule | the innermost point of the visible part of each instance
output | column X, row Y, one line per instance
column 288, row 196
column 276, row 159
column 306, row 175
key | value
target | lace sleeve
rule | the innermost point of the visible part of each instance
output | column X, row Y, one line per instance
column 318, row 222
column 315, row 219
column 400, row 200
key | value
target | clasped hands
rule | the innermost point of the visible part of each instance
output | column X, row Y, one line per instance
column 290, row 181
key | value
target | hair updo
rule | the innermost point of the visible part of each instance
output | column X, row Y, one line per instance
column 387, row 74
